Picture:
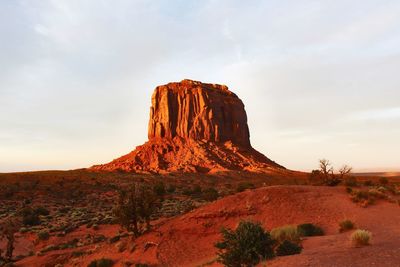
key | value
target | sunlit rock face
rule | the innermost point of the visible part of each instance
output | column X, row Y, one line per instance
column 194, row 127
column 198, row 111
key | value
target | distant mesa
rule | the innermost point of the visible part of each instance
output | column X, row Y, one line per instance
column 194, row 127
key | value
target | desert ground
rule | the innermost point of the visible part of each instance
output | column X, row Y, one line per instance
column 80, row 225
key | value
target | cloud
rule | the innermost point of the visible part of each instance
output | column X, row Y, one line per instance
column 76, row 76
column 383, row 114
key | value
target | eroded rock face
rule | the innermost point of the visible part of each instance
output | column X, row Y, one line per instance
column 194, row 127
column 198, row 111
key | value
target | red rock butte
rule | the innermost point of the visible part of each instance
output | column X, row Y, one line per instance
column 194, row 127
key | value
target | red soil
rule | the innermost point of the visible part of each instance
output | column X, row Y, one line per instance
column 188, row 240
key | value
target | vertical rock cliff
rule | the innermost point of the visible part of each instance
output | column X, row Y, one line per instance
column 198, row 111
column 194, row 127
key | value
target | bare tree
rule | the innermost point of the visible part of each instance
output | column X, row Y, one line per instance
column 344, row 170
column 326, row 171
column 135, row 207
column 325, row 167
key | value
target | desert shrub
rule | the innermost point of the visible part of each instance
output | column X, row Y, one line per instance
column 246, row 246
column 244, row 186
column 210, row 194
column 196, row 191
column 377, row 193
column 368, row 183
column 309, row 229
column 287, row 232
column 23, row 230
column 42, row 211
column 101, row 263
column 78, row 253
column 349, row 190
column 171, row 188
column 288, row 248
column 141, row 265
column 315, row 177
column 383, row 180
column 43, row 235
column 361, row 237
column 159, row 189
column 30, row 217
column 332, row 181
column 345, row 225
column 64, row 210
column 366, row 197
column 350, row 181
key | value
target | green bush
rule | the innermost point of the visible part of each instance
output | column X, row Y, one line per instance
column 43, row 235
column 101, row 263
column 287, row 232
column 361, row 237
column 345, row 225
column 246, row 246
column 309, row 229
column 288, row 248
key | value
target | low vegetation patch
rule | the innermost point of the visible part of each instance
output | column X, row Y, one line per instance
column 309, row 229
column 43, row 235
column 345, row 225
column 350, row 181
column 383, row 181
column 287, row 248
column 361, row 237
column 287, row 232
column 101, row 263
column 210, row 194
column 367, row 197
column 244, row 186
column 246, row 246
column 30, row 217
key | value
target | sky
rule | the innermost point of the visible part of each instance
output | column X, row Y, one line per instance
column 319, row 79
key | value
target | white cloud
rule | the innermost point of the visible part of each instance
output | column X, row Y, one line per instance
column 377, row 114
column 76, row 76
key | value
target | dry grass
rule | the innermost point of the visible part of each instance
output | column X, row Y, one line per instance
column 361, row 237
column 287, row 232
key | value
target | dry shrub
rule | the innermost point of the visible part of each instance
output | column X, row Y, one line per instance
column 361, row 237
column 287, row 232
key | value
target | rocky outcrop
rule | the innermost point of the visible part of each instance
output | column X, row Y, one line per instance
column 198, row 111
column 194, row 127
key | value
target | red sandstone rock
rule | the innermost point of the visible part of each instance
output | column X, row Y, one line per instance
column 198, row 111
column 194, row 127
